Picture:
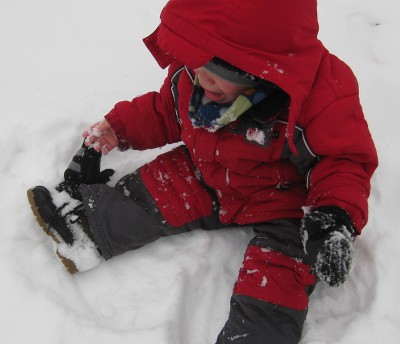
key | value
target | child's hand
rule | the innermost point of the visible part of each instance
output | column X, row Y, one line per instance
column 101, row 137
column 328, row 237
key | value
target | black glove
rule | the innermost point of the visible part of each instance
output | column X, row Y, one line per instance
column 83, row 169
column 328, row 237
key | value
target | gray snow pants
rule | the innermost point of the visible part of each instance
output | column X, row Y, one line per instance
column 126, row 217
column 270, row 298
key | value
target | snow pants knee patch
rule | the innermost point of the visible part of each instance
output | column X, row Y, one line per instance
column 270, row 298
column 273, row 268
column 175, row 186
column 274, row 277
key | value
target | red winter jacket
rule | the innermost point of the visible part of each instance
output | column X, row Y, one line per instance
column 320, row 151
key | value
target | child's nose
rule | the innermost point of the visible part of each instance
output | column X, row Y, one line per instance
column 206, row 77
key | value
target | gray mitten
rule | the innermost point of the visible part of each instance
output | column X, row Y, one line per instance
column 328, row 237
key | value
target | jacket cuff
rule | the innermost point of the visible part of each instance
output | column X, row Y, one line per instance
column 340, row 217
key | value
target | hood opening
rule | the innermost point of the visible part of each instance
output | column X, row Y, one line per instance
column 273, row 40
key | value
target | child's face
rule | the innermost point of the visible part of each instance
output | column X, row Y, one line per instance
column 216, row 88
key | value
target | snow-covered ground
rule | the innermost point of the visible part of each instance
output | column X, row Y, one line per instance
column 63, row 65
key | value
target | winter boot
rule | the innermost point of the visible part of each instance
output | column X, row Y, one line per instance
column 83, row 169
column 63, row 219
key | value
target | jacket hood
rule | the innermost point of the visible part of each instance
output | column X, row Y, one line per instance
column 273, row 40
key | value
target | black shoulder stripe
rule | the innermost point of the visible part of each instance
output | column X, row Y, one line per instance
column 174, row 90
column 306, row 158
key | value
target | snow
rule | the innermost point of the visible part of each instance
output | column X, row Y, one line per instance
column 256, row 135
column 63, row 64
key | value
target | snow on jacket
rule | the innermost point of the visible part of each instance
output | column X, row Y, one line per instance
column 317, row 151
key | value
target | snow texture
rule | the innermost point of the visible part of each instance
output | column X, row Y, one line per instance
column 63, row 65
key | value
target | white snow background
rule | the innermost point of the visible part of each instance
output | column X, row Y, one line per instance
column 63, row 65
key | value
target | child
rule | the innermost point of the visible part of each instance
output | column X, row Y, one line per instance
column 273, row 135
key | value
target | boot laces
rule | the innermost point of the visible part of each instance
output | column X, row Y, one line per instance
column 74, row 214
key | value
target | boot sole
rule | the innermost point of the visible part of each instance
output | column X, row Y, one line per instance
column 69, row 264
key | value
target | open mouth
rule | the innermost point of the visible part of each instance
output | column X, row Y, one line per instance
column 214, row 95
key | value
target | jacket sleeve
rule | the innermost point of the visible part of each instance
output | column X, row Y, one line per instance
column 148, row 121
column 340, row 137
